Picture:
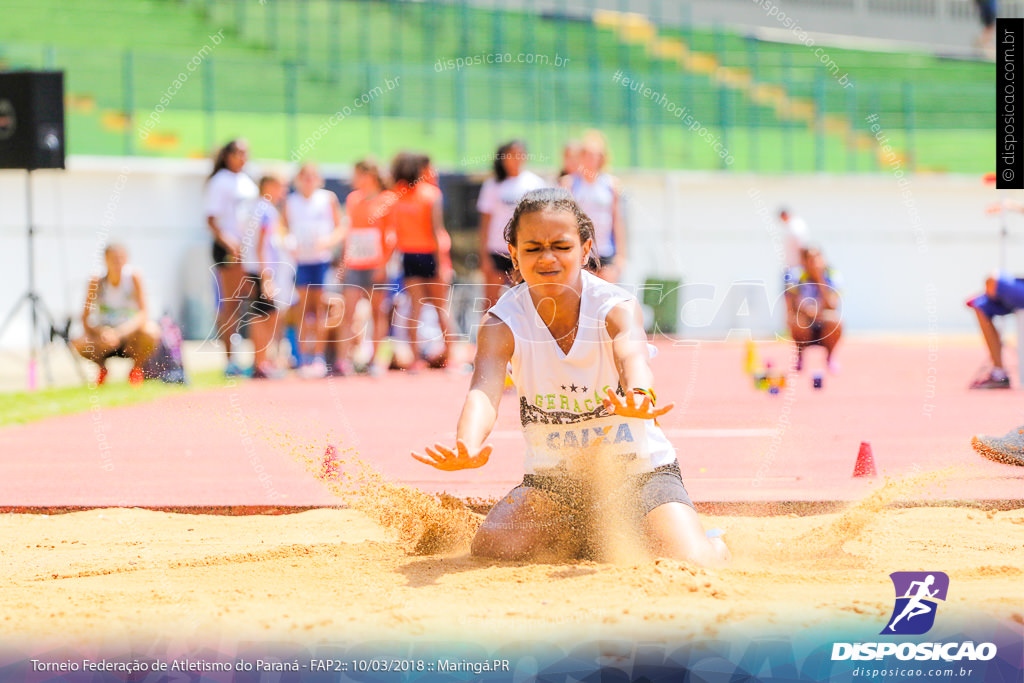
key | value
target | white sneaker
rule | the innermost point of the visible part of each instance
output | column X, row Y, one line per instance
column 317, row 369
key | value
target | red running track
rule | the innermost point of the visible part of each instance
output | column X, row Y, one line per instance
column 238, row 445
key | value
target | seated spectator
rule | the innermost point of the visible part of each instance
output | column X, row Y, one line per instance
column 115, row 318
column 813, row 308
column 1003, row 295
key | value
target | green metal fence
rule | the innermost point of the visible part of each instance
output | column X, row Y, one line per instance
column 335, row 79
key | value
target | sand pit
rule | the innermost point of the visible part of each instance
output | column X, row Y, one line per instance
column 104, row 576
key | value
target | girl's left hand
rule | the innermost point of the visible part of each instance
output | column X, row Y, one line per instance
column 629, row 407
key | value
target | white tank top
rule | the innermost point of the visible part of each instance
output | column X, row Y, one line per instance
column 560, row 395
column 117, row 304
column 229, row 199
column 499, row 200
column 308, row 221
column 597, row 200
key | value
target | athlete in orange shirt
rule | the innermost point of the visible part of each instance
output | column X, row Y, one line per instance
column 370, row 243
column 419, row 230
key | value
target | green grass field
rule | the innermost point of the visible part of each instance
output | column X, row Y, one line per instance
column 29, row 406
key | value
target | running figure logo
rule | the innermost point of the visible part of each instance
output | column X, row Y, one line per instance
column 916, row 596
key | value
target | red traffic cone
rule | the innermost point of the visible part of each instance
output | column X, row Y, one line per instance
column 865, row 466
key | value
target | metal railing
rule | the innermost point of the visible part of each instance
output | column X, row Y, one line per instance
column 337, row 79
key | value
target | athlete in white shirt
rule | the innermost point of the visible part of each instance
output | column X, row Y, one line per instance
column 312, row 216
column 498, row 199
column 579, row 361
column 599, row 196
column 229, row 199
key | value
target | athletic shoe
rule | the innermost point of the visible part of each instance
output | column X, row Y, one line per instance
column 267, row 370
column 375, row 370
column 102, row 377
column 233, row 370
column 341, row 369
column 991, row 382
column 135, row 377
column 317, row 369
column 1008, row 449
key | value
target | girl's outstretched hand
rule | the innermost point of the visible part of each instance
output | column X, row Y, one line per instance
column 629, row 407
column 444, row 458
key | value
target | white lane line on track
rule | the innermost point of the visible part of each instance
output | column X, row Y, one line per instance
column 677, row 433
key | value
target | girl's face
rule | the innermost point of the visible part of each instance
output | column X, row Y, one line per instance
column 308, row 181
column 365, row 182
column 592, row 158
column 115, row 258
column 359, row 180
column 236, row 160
column 273, row 191
column 513, row 160
column 815, row 262
column 571, row 159
column 548, row 251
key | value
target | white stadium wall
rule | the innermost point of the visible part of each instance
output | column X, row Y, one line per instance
column 909, row 255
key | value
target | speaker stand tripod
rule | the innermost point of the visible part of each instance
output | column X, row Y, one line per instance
column 37, row 309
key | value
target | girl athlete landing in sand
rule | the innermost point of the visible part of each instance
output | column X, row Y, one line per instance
column 579, row 361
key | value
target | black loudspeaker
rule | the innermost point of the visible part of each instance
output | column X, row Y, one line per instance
column 32, row 119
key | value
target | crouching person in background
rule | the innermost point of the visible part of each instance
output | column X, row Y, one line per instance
column 115, row 318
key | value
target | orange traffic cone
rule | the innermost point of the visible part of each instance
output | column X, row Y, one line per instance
column 865, row 466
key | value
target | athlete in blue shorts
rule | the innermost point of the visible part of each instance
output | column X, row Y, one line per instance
column 1003, row 295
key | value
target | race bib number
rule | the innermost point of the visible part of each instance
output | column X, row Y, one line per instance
column 559, row 445
column 362, row 248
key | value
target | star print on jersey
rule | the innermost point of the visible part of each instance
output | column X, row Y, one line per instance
column 562, row 408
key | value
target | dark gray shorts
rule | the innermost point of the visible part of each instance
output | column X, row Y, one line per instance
column 360, row 277
column 641, row 493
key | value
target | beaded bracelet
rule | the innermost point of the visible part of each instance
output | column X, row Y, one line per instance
column 649, row 393
column 646, row 392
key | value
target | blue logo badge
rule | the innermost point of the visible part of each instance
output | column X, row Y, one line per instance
column 917, row 594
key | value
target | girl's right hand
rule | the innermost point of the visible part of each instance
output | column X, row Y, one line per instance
column 109, row 337
column 233, row 248
column 444, row 458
